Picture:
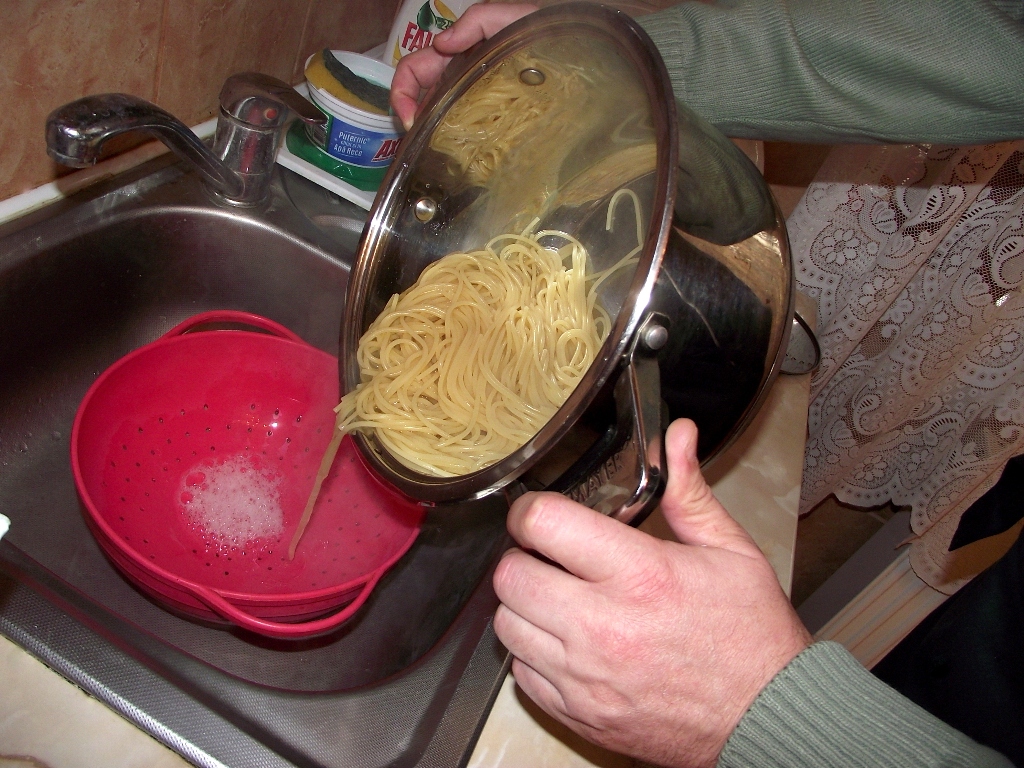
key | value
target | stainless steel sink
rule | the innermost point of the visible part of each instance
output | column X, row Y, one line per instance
column 407, row 682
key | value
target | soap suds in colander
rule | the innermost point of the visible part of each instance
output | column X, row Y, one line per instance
column 233, row 502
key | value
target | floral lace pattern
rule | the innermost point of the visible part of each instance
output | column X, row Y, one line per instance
column 916, row 262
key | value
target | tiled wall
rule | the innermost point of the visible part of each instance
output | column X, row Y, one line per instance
column 175, row 53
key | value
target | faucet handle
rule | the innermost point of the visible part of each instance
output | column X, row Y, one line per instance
column 256, row 98
column 254, row 109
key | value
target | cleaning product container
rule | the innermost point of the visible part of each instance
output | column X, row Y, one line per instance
column 356, row 145
column 194, row 456
column 416, row 23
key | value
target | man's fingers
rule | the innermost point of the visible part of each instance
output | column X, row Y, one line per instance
column 539, row 592
column 479, row 22
column 689, row 505
column 584, row 542
column 541, row 650
column 414, row 74
column 540, row 689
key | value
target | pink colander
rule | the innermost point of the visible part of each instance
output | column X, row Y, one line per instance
column 194, row 457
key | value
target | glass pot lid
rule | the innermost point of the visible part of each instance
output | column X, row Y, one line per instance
column 561, row 128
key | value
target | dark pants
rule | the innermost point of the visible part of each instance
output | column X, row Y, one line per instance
column 965, row 662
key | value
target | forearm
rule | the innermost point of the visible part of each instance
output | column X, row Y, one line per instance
column 824, row 710
column 904, row 71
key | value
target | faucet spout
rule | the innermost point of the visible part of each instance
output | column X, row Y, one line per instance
column 76, row 133
column 253, row 113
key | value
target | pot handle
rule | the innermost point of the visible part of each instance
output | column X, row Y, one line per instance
column 623, row 475
column 280, row 629
column 234, row 317
column 803, row 352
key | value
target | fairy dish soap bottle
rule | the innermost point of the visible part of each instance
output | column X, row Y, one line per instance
column 416, row 24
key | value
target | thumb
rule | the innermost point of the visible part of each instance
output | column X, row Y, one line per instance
column 690, row 507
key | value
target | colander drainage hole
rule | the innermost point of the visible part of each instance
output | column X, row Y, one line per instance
column 298, row 419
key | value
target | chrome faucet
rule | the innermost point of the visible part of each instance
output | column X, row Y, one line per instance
column 253, row 113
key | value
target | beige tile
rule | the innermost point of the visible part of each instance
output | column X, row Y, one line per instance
column 54, row 51
column 344, row 25
column 203, row 43
column 518, row 734
column 45, row 717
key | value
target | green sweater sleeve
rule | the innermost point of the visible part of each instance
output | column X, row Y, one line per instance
column 824, row 710
column 902, row 71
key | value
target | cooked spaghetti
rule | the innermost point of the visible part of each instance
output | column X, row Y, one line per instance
column 465, row 366
column 501, row 110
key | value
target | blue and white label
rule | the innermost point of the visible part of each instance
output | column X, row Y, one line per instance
column 359, row 146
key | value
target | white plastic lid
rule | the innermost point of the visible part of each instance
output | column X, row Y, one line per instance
column 366, row 67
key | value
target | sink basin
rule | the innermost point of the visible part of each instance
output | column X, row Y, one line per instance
column 406, row 682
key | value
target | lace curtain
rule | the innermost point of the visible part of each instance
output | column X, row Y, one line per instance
column 915, row 258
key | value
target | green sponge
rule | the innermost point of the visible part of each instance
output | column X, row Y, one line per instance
column 371, row 93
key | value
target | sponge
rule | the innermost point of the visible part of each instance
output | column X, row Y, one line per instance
column 327, row 73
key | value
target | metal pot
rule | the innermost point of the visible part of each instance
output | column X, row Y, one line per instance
column 700, row 323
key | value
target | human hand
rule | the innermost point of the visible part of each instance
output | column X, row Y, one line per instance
column 419, row 71
column 651, row 648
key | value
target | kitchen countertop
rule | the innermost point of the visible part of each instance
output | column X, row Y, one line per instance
column 47, row 721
